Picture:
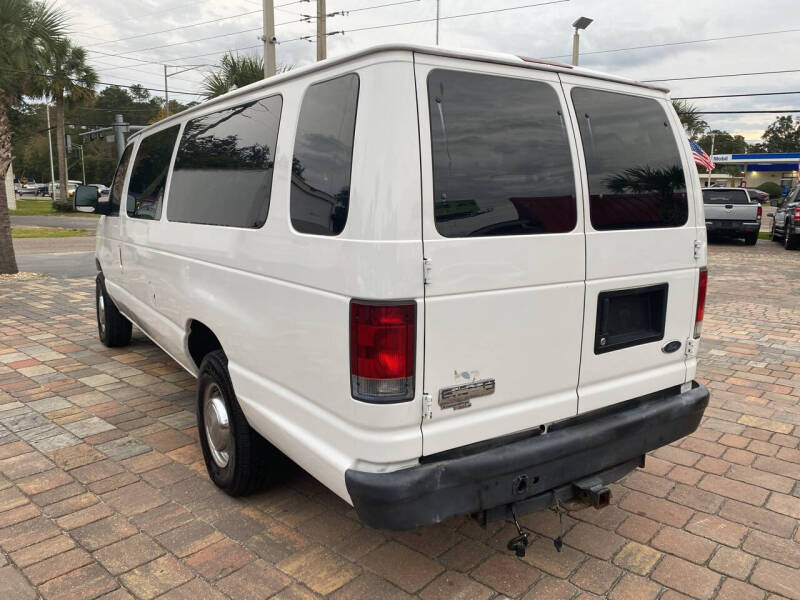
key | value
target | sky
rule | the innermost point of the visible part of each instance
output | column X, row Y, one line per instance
column 537, row 31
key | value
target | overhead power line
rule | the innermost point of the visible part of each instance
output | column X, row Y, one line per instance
column 150, row 89
column 736, row 95
column 748, row 112
column 718, row 76
column 445, row 18
column 684, row 43
column 203, row 39
column 171, row 29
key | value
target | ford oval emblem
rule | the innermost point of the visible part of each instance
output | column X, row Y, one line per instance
column 671, row 347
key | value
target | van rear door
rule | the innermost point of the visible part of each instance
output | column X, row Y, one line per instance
column 504, row 247
column 641, row 230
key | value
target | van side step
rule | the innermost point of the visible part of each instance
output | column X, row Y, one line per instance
column 590, row 490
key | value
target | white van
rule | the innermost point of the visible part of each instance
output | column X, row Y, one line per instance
column 442, row 282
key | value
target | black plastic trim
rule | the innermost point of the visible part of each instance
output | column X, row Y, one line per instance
column 430, row 493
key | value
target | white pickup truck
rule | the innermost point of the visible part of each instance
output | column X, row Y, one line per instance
column 731, row 213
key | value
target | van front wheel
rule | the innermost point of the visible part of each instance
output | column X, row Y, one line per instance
column 113, row 328
column 238, row 459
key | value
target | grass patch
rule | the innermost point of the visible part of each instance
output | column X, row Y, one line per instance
column 48, row 232
column 763, row 235
column 42, row 206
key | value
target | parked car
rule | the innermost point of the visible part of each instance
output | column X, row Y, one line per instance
column 481, row 305
column 103, row 190
column 786, row 221
column 757, row 195
column 731, row 213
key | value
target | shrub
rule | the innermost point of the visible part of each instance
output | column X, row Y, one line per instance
column 771, row 188
column 65, row 207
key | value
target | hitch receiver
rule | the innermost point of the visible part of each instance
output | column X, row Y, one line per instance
column 596, row 495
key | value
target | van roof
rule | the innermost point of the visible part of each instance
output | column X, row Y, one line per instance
column 479, row 55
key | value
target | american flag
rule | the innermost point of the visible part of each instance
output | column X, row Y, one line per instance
column 700, row 156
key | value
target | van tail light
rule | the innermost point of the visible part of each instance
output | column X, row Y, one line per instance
column 702, row 286
column 382, row 351
column 759, row 211
column 797, row 214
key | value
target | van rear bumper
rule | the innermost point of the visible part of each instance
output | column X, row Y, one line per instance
column 595, row 443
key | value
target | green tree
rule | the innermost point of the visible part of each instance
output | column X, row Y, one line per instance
column 27, row 32
column 69, row 81
column 694, row 124
column 783, row 135
column 234, row 71
column 724, row 142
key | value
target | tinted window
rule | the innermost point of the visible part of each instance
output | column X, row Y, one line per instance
column 636, row 180
column 149, row 174
column 115, row 194
column 712, row 196
column 501, row 161
column 223, row 171
column 323, row 156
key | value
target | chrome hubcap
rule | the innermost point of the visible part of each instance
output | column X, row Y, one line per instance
column 101, row 312
column 217, row 425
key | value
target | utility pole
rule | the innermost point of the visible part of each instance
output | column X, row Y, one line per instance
column 119, row 138
column 437, row 22
column 322, row 35
column 50, row 144
column 269, row 38
column 166, row 93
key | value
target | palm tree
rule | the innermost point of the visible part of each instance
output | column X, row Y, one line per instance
column 694, row 124
column 28, row 30
column 65, row 77
column 235, row 71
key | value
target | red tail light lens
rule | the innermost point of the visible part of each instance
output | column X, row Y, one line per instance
column 702, row 286
column 797, row 214
column 759, row 211
column 382, row 351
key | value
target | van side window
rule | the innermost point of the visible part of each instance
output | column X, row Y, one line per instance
column 501, row 157
column 223, row 171
column 149, row 175
column 115, row 194
column 636, row 178
column 323, row 156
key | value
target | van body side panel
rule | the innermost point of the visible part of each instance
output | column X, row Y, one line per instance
column 622, row 260
column 279, row 300
column 502, row 311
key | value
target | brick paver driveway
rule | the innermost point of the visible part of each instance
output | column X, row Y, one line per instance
column 103, row 491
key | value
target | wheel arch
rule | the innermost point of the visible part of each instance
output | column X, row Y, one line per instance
column 200, row 340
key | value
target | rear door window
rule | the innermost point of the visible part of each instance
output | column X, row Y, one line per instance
column 501, row 157
column 323, row 156
column 712, row 196
column 149, row 174
column 636, row 178
column 223, row 171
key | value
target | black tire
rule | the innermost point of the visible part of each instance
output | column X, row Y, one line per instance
column 113, row 328
column 789, row 238
column 750, row 239
column 246, row 462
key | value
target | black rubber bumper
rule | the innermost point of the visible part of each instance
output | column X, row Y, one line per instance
column 571, row 450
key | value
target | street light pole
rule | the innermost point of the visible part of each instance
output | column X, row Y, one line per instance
column 269, row 38
column 50, row 145
column 708, row 177
column 580, row 23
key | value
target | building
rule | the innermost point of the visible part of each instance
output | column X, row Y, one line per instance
column 757, row 168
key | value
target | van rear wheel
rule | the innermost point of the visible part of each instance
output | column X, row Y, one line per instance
column 113, row 328
column 238, row 459
column 750, row 239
